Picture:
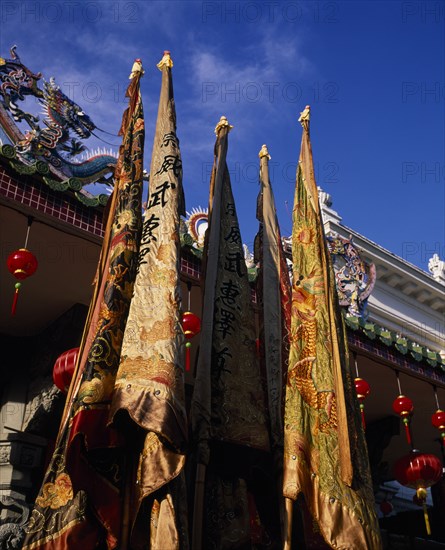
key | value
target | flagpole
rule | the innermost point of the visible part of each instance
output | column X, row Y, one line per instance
column 151, row 362
column 288, row 516
column 318, row 462
column 211, row 240
column 198, row 508
column 129, row 473
column 275, row 298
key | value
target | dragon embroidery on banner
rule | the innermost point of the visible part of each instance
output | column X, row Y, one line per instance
column 55, row 139
column 306, row 291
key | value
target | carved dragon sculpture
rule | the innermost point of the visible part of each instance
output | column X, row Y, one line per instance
column 12, row 533
column 63, row 119
column 354, row 277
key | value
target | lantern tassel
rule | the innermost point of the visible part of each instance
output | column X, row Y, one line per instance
column 188, row 345
column 427, row 519
column 362, row 411
column 407, row 431
column 15, row 299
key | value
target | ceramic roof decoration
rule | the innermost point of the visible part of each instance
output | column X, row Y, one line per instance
column 48, row 146
column 354, row 277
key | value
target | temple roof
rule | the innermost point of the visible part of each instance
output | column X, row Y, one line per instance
column 51, row 144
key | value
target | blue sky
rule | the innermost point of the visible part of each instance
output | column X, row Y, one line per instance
column 373, row 73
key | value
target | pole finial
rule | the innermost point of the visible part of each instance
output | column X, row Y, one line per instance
column 166, row 61
column 137, row 68
column 305, row 115
column 223, row 123
column 264, row 152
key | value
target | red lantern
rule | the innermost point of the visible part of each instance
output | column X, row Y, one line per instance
column 22, row 264
column 64, row 369
column 438, row 421
column 363, row 390
column 419, row 471
column 404, row 407
column 191, row 325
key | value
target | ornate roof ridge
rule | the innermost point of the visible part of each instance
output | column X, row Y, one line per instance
column 390, row 338
column 41, row 170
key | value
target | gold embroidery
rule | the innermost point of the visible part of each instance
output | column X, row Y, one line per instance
column 126, row 217
column 57, row 494
column 304, row 337
column 154, row 368
column 163, row 252
column 161, row 330
column 111, row 317
column 305, row 235
column 98, row 389
column 164, row 277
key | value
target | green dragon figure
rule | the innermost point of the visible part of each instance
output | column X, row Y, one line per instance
column 55, row 141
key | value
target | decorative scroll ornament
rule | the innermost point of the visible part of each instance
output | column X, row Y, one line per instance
column 197, row 222
column 354, row 277
column 17, row 81
column 436, row 267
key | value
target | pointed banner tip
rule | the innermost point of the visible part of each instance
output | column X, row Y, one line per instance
column 166, row 61
column 223, row 123
column 264, row 152
column 137, row 68
column 305, row 115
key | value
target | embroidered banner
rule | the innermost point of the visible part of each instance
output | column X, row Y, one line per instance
column 150, row 381
column 273, row 290
column 325, row 455
column 81, row 494
column 228, row 413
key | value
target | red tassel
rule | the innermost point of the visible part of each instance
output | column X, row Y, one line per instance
column 188, row 345
column 407, row 431
column 362, row 411
column 16, row 297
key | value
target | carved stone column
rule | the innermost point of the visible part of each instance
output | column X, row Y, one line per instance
column 21, row 454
